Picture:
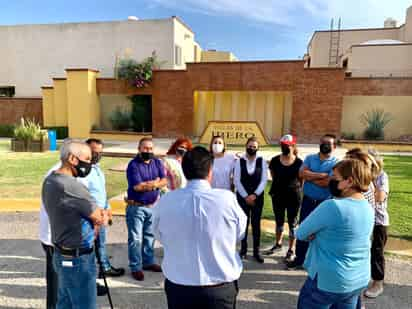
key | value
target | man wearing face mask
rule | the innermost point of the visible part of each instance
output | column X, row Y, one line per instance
column 95, row 182
column 315, row 171
column 250, row 180
column 74, row 220
column 145, row 176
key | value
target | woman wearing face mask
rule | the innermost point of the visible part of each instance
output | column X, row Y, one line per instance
column 286, row 192
column 250, row 180
column 338, row 232
column 223, row 164
column 173, row 164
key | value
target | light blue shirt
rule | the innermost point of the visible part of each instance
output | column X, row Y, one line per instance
column 96, row 184
column 199, row 227
column 340, row 253
column 316, row 165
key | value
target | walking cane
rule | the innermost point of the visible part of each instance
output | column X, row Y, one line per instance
column 99, row 261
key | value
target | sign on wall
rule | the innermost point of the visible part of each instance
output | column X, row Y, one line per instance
column 233, row 132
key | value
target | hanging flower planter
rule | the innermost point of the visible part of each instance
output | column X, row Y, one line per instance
column 138, row 74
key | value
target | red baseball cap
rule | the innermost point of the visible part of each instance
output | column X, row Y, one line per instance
column 288, row 139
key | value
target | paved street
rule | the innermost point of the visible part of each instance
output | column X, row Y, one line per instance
column 22, row 283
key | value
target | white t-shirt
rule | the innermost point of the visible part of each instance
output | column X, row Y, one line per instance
column 223, row 171
column 44, row 233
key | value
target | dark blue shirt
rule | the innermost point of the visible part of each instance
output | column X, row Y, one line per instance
column 138, row 172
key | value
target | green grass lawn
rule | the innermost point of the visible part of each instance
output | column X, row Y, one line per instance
column 21, row 176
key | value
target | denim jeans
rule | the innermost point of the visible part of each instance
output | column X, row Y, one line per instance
column 76, row 281
column 140, row 237
column 102, row 248
column 310, row 297
column 308, row 206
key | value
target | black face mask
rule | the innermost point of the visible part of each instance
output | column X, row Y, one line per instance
column 83, row 168
column 325, row 148
column 96, row 157
column 333, row 188
column 251, row 151
column 285, row 150
column 147, row 156
column 181, row 151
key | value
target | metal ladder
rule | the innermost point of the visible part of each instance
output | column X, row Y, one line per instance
column 334, row 44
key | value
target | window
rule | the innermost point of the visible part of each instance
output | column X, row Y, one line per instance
column 7, row 91
column 178, row 55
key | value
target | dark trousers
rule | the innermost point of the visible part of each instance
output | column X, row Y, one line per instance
column 380, row 237
column 254, row 214
column 289, row 203
column 196, row 297
column 308, row 205
column 51, row 277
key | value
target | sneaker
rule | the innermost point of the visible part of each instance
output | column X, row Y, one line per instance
column 294, row 265
column 258, row 258
column 290, row 256
column 112, row 272
column 154, row 267
column 138, row 275
column 272, row 250
column 375, row 289
column 101, row 289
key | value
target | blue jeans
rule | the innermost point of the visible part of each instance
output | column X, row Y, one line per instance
column 102, row 248
column 140, row 237
column 76, row 281
column 310, row 297
column 308, row 206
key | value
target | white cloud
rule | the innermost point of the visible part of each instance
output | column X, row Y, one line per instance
column 292, row 13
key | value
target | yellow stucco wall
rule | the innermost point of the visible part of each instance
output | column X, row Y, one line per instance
column 82, row 102
column 398, row 106
column 217, row 56
column 48, row 107
column 94, row 101
column 60, row 102
column 265, row 107
column 378, row 146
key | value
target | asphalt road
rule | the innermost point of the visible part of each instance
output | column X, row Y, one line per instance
column 22, row 268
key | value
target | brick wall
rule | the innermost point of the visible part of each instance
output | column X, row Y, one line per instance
column 12, row 109
column 317, row 94
column 378, row 86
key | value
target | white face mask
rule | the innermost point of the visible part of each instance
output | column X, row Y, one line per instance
column 217, row 148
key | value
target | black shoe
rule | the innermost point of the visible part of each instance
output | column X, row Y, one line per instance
column 258, row 258
column 243, row 255
column 294, row 265
column 112, row 272
column 101, row 289
column 273, row 249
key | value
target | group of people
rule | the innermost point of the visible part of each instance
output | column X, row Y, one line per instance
column 199, row 202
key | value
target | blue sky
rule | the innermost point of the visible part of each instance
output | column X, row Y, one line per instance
column 251, row 29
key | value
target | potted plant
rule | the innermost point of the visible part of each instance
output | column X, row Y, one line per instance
column 28, row 136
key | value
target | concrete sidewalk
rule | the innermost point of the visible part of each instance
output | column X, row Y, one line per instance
column 267, row 286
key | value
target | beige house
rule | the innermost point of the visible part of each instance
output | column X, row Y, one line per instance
column 33, row 54
column 378, row 52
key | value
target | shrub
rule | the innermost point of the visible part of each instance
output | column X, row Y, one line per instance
column 375, row 122
column 6, row 130
column 348, row 135
column 121, row 119
column 29, row 130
